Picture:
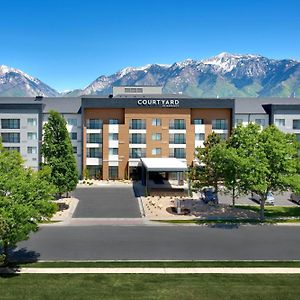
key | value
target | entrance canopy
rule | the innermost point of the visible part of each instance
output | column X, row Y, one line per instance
column 164, row 164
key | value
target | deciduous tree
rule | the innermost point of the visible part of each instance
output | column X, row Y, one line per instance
column 25, row 199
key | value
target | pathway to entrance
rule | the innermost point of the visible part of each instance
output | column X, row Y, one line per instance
column 106, row 202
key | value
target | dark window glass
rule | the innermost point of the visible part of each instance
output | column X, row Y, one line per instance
column 177, row 124
column 94, row 124
column 10, row 137
column 94, row 138
column 137, row 124
column 113, row 172
column 10, row 123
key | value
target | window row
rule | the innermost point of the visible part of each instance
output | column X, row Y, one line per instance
column 97, row 152
column 98, row 124
column 15, row 123
column 14, row 137
column 141, row 152
column 141, row 123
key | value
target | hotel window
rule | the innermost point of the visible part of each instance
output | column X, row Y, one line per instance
column 198, row 121
column 74, row 149
column 177, row 152
column 94, row 124
column 137, row 138
column 31, row 135
column 199, row 136
column 32, row 150
column 223, row 136
column 296, row 124
column 177, row 124
column 156, row 122
column 31, row 121
column 10, row 137
column 72, row 122
column 238, row 121
column 113, row 151
column 94, row 171
column 94, row 152
column 113, row 172
column 219, row 124
column 113, row 121
column 137, row 152
column 177, row 138
column 94, row 138
column 113, row 136
column 12, row 149
column 156, row 136
column 137, row 124
column 156, row 151
column 280, row 122
column 73, row 136
column 10, row 123
column 260, row 122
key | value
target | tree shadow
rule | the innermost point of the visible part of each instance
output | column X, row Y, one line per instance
column 16, row 258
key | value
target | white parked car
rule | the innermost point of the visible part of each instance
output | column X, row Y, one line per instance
column 269, row 201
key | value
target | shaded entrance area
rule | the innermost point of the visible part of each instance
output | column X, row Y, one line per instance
column 164, row 176
column 106, row 202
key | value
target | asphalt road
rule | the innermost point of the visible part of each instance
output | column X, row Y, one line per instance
column 106, row 202
column 163, row 243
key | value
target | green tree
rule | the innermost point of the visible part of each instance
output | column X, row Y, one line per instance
column 58, row 154
column 209, row 173
column 25, row 199
column 271, row 157
column 232, row 167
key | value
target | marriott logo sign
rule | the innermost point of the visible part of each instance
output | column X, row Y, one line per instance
column 159, row 102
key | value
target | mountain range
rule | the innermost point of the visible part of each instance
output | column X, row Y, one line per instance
column 224, row 75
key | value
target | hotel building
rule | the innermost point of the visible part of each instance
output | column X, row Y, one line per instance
column 110, row 135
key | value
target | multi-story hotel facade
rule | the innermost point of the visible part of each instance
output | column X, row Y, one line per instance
column 119, row 131
column 111, row 134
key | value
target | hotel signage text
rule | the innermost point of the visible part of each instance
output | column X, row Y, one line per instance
column 159, row 102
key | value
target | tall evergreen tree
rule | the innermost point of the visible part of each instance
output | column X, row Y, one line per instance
column 58, row 154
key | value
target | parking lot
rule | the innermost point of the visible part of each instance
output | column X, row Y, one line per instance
column 106, row 202
column 281, row 199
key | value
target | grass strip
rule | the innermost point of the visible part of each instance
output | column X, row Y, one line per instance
column 149, row 286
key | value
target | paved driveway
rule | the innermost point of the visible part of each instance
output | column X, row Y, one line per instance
column 106, row 202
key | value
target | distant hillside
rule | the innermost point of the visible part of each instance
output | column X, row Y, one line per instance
column 224, row 75
column 16, row 83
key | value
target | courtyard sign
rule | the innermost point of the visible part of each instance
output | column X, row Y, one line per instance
column 158, row 102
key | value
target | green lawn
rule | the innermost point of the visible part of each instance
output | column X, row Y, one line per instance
column 275, row 211
column 150, row 286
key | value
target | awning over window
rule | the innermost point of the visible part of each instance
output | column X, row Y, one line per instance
column 164, row 164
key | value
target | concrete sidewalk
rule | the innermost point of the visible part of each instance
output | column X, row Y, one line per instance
column 151, row 271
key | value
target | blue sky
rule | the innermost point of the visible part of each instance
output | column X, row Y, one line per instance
column 67, row 44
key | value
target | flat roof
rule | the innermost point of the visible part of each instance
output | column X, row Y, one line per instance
column 168, row 164
column 255, row 105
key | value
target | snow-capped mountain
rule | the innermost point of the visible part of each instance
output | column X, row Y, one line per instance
column 14, row 82
column 224, row 75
